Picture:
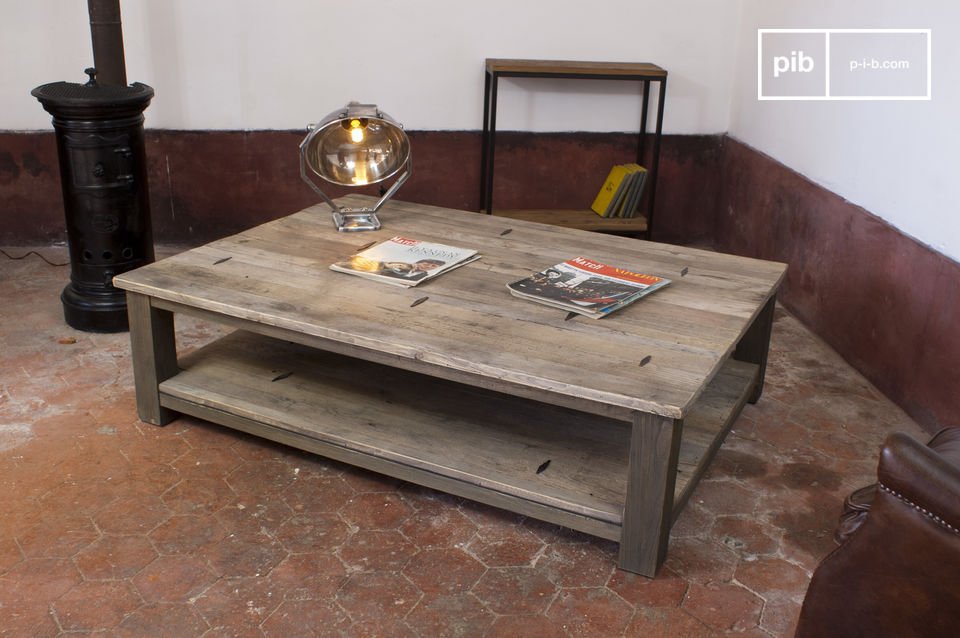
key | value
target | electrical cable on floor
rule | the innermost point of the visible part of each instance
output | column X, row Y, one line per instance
column 31, row 252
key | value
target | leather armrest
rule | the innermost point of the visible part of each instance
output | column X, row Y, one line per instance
column 923, row 476
column 899, row 573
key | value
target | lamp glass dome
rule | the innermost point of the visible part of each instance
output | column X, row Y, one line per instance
column 356, row 148
column 357, row 145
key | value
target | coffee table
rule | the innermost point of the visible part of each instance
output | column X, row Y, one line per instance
column 603, row 426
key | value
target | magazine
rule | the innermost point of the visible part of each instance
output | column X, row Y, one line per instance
column 405, row 262
column 586, row 287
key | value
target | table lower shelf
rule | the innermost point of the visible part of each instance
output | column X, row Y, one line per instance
column 544, row 461
column 581, row 219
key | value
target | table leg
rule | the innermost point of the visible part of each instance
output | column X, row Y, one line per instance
column 491, row 145
column 648, row 511
column 154, row 351
column 485, row 143
column 755, row 344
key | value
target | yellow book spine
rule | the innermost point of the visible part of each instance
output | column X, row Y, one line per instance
column 609, row 189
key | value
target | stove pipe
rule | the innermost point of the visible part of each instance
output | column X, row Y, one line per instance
column 106, row 32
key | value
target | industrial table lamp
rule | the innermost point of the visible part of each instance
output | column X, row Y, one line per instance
column 356, row 145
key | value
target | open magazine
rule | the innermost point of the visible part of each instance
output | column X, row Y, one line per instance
column 586, row 287
column 405, row 262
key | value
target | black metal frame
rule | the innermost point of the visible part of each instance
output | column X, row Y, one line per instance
column 488, row 143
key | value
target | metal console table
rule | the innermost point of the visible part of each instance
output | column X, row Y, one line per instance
column 637, row 72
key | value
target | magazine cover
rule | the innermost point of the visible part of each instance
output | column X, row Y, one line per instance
column 405, row 262
column 587, row 287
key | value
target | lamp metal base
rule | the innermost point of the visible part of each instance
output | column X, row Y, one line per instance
column 353, row 221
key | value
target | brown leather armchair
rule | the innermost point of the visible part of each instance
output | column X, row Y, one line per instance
column 897, row 570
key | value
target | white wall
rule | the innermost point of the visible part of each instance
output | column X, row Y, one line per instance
column 252, row 64
column 898, row 160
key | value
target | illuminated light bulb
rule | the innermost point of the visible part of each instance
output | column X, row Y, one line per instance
column 356, row 131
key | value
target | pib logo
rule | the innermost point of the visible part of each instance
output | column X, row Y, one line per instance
column 791, row 64
column 796, row 62
column 843, row 64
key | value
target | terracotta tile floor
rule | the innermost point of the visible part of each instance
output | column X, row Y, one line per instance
column 112, row 527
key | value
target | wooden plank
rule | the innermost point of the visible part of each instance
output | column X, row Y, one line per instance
column 449, row 431
column 271, row 254
column 453, row 430
column 657, row 319
column 398, row 470
column 564, row 67
column 580, row 219
column 154, row 353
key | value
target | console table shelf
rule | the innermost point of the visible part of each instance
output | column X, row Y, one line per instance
column 645, row 73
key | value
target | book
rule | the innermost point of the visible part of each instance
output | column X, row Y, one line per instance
column 609, row 190
column 402, row 261
column 613, row 210
column 586, row 287
column 639, row 180
column 630, row 185
column 621, row 191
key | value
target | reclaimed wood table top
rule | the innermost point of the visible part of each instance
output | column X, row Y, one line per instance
column 656, row 355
